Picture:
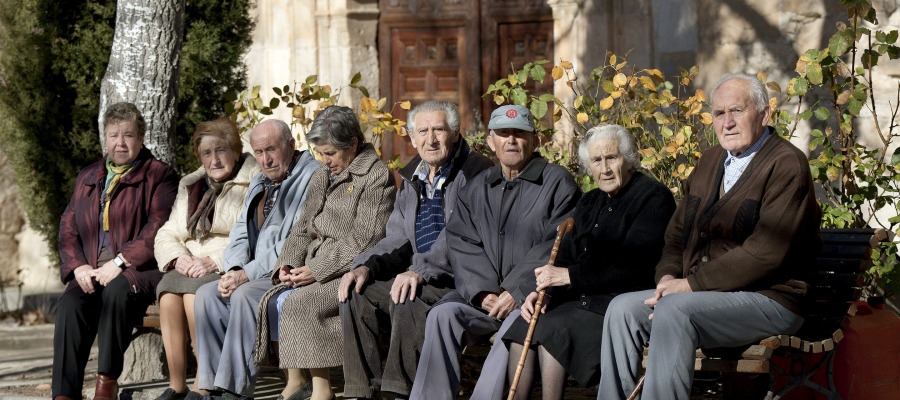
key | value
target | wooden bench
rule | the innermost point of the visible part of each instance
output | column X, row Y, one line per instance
column 846, row 254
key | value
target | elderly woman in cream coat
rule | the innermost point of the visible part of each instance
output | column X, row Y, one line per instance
column 189, row 246
column 347, row 207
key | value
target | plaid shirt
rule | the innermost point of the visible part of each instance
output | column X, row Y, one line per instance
column 735, row 165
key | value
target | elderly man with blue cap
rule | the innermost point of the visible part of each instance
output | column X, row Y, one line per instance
column 503, row 229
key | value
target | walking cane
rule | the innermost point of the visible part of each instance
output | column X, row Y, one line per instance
column 561, row 230
column 637, row 389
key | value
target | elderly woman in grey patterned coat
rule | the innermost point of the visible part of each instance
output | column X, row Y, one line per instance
column 347, row 207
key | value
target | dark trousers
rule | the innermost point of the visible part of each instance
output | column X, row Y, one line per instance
column 110, row 313
column 364, row 317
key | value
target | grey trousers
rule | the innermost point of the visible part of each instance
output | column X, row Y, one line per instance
column 681, row 323
column 364, row 317
column 449, row 327
column 226, row 334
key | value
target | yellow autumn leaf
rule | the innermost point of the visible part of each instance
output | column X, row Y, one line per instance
column 681, row 168
column 773, row 103
column 405, row 105
column 566, row 64
column 513, row 79
column 381, row 102
column 578, row 101
column 556, row 73
column 606, row 103
column 297, row 112
column 612, row 59
column 762, row 76
column 582, row 118
column 499, row 99
column 616, row 94
column 655, row 72
column 366, row 104
column 843, row 97
column 620, row 80
column 648, row 83
column 706, row 118
column 700, row 95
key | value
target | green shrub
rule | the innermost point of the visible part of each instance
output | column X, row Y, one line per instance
column 52, row 60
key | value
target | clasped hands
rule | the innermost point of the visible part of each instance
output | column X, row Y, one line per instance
column 295, row 277
column 86, row 274
column 194, row 267
column 667, row 285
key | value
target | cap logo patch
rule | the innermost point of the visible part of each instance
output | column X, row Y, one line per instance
column 511, row 113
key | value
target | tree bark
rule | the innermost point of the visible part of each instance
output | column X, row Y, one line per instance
column 143, row 68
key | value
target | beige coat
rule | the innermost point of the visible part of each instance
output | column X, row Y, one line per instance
column 173, row 239
column 339, row 220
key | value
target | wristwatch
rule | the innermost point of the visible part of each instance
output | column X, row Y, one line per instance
column 119, row 262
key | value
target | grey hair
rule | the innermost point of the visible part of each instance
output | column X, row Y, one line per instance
column 337, row 126
column 758, row 92
column 125, row 111
column 449, row 109
column 627, row 145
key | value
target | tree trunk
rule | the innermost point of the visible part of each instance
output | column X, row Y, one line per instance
column 143, row 68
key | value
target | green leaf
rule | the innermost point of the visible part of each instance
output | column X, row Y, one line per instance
column 822, row 114
column 891, row 37
column 546, row 97
column 522, row 76
column 313, row 78
column 893, row 52
column 608, row 86
column 895, row 158
column 869, row 59
column 277, row 91
column 538, row 109
column 538, row 73
column 518, row 96
column 814, row 73
column 840, row 43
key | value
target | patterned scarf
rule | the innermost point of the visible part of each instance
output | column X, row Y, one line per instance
column 200, row 222
column 113, row 175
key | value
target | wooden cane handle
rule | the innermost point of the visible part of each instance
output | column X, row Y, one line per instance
column 561, row 231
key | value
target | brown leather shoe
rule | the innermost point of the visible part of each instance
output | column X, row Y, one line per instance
column 107, row 388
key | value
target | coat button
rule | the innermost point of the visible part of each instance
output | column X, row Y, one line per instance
column 502, row 233
column 703, row 235
column 704, row 259
column 584, row 303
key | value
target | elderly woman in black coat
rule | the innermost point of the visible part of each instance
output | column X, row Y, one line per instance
column 614, row 247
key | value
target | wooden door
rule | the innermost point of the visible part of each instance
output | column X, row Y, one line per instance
column 428, row 51
column 452, row 50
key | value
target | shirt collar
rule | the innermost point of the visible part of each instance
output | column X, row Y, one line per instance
column 531, row 172
column 749, row 152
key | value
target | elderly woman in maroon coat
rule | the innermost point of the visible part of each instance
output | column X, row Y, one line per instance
column 106, row 239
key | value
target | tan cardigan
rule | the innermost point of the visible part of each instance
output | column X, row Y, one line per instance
column 173, row 239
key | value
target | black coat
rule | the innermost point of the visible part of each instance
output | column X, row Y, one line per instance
column 615, row 244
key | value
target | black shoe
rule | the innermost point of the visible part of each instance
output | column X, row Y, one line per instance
column 171, row 394
column 192, row 395
column 304, row 393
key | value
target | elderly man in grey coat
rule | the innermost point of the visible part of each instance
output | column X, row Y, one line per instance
column 395, row 283
column 225, row 311
column 502, row 229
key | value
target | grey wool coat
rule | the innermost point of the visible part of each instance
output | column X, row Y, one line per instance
column 340, row 219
